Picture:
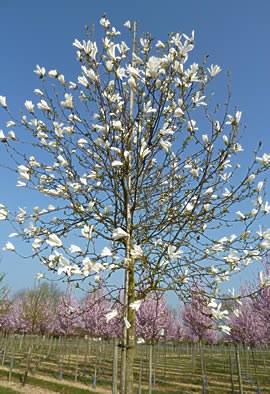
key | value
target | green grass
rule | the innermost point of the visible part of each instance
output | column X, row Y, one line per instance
column 5, row 390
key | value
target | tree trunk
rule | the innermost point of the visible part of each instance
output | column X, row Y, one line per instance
column 150, row 375
column 128, row 339
column 202, row 367
column 115, row 366
column 239, row 370
column 130, row 349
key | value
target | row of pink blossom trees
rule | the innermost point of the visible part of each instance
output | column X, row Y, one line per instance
column 45, row 310
column 39, row 312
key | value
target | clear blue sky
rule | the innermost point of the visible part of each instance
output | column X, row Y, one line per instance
column 235, row 34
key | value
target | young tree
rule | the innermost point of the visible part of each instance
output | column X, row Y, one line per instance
column 261, row 302
column 247, row 325
column 33, row 311
column 94, row 315
column 142, row 170
column 5, row 304
column 198, row 321
column 67, row 317
column 154, row 320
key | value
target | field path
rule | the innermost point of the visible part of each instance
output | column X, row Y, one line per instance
column 26, row 389
column 35, row 389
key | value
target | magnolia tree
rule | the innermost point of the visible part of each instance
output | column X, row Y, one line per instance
column 139, row 170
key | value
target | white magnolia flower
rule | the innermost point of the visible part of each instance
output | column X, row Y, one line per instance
column 166, row 145
column 9, row 246
column 127, row 24
column 173, row 253
column 61, row 79
column 214, row 70
column 178, row 113
column 54, row 240
column 197, row 100
column 153, row 66
column 266, row 207
column 29, row 106
column 265, row 159
column 205, row 138
column 12, row 135
column 75, row 249
column 160, row 45
column 117, row 163
column 127, row 323
column 82, row 142
column 53, row 74
column 234, row 120
column 3, row 101
column 225, row 329
column 68, row 103
column 250, row 178
column 132, row 83
column 10, row 123
column 136, row 252
column 144, row 150
column 39, row 275
column 119, row 233
column 136, row 305
column 21, row 184
column 78, row 44
column 72, row 85
column 188, row 207
column 83, row 81
column 12, row 235
column 3, row 212
column 62, row 160
column 218, row 314
column 140, row 340
column 87, row 231
column 212, row 304
column 90, row 73
column 265, row 244
column 259, row 186
column 111, row 315
column 39, row 92
column 41, row 71
column 106, row 252
column 105, row 22
column 37, row 243
column 24, row 172
column 240, row 215
column 43, row 106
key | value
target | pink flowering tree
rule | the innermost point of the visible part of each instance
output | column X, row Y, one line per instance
column 139, row 168
column 94, row 312
column 177, row 333
column 261, row 300
column 154, row 320
column 198, row 321
column 30, row 315
column 67, row 317
column 33, row 311
column 247, row 325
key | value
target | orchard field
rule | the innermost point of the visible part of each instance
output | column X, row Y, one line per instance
column 75, row 365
